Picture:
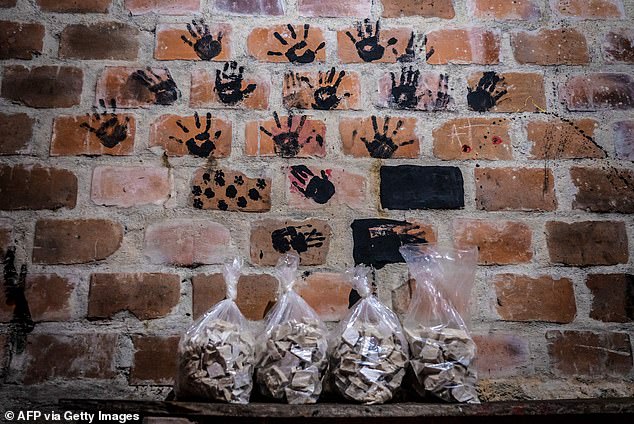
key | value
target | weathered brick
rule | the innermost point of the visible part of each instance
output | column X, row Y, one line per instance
column 197, row 135
column 387, row 137
column 473, row 138
column 335, row 8
column 598, row 91
column 301, row 137
column 256, row 293
column 603, row 190
column 327, row 293
column 137, row 87
column 589, row 353
column 8, row 3
column 75, row 241
column 558, row 46
column 501, row 354
column 415, row 90
column 186, row 242
column 562, row 138
column 304, row 43
column 612, row 297
column 624, row 140
column 618, row 45
column 250, row 7
column 226, row 190
column 595, row 242
column 145, row 295
column 271, row 238
column 100, row 133
column 208, row 42
column 506, row 92
column 66, row 356
column 155, row 360
column 48, row 297
column 504, row 10
column 313, row 187
column 16, row 131
column 36, row 187
column 589, row 9
column 313, row 90
column 395, row 44
column 75, row 6
column 43, row 86
column 498, row 242
column 253, row 93
column 130, row 186
column 20, row 40
column 102, row 40
column 544, row 298
column 522, row 189
column 463, row 46
column 162, row 7
column 427, row 8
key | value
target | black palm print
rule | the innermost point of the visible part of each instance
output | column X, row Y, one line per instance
column 311, row 186
column 164, row 89
column 403, row 95
column 287, row 141
column 382, row 146
column 204, row 44
column 300, row 238
column 202, row 144
column 111, row 130
column 229, row 84
column 484, row 97
column 367, row 45
column 308, row 56
column 326, row 95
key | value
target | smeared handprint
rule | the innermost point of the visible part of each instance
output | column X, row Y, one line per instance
column 229, row 84
column 368, row 46
column 308, row 55
column 296, row 238
column 326, row 95
column 204, row 44
column 287, row 140
column 202, row 144
column 111, row 130
column 403, row 95
column 382, row 145
column 163, row 88
column 486, row 95
column 409, row 54
column 311, row 186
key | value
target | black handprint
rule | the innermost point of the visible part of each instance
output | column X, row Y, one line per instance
column 368, row 46
column 203, row 137
column 320, row 189
column 229, row 84
column 307, row 56
column 165, row 90
column 403, row 95
column 326, row 95
column 382, row 146
column 286, row 140
column 204, row 45
column 483, row 98
column 14, row 286
column 300, row 241
column 442, row 96
column 111, row 131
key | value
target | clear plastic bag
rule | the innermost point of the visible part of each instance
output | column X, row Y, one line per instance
column 370, row 350
column 292, row 357
column 217, row 353
column 442, row 351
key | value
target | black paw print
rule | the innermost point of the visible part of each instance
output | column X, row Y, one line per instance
column 403, row 95
column 229, row 84
column 201, row 144
column 261, row 183
column 326, row 95
column 483, row 98
column 319, row 189
column 367, row 45
column 204, row 45
column 224, row 193
column 287, row 141
column 238, row 180
column 297, row 239
column 111, row 131
column 382, row 146
column 307, row 56
column 164, row 89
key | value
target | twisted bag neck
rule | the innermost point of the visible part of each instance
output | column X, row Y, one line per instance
column 232, row 275
column 360, row 282
column 286, row 271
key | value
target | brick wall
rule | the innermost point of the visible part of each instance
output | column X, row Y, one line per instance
column 143, row 142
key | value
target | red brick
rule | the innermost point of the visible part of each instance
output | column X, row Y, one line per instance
column 129, row 91
column 523, row 298
column 596, row 242
column 522, row 189
column 75, row 241
column 16, row 131
column 271, row 238
column 8, row 3
column 473, row 138
column 155, row 360
column 171, row 46
column 250, row 7
column 603, row 190
column 262, row 40
column 19, row 40
column 395, row 42
column 75, row 6
column 463, row 46
column 427, row 8
column 163, row 7
column 561, row 46
column 504, row 10
column 612, row 297
column 598, row 91
column 130, row 186
column 310, row 141
column 72, row 137
column 589, row 353
column 304, row 90
column 43, row 86
column 335, row 8
column 501, row 355
column 515, row 92
column 102, row 40
column 145, row 295
column 186, row 242
column 226, row 190
column 432, row 91
column 327, row 293
column 401, row 132
column 618, row 46
column 498, row 242
column 176, row 133
column 66, row 356
column 48, row 296
column 345, row 188
column 561, row 138
column 36, row 187
column 589, row 9
column 256, row 294
column 624, row 140
column 204, row 94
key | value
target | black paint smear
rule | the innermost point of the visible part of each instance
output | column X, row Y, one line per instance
column 291, row 53
column 409, row 54
column 14, row 286
column 242, row 202
column 163, row 88
column 229, row 84
column 368, row 47
column 111, row 131
column 201, row 144
column 219, row 178
column 231, row 191
column 319, row 189
column 204, row 45
column 382, row 146
column 484, row 96
column 407, row 187
column 285, row 239
column 431, row 50
column 286, row 141
column 222, row 205
column 403, row 94
column 326, row 95
column 254, row 194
